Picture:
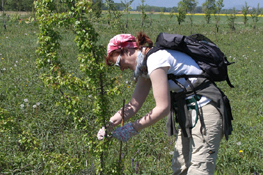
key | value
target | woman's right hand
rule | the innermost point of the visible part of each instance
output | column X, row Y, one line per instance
column 115, row 120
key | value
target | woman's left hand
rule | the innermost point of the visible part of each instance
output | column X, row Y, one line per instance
column 101, row 133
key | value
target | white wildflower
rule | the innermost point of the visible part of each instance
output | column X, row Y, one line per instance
column 34, row 106
column 26, row 100
column 4, row 69
column 48, row 60
column 15, row 65
column 229, row 56
column 16, row 61
column 238, row 143
column 38, row 103
column 127, row 82
column 6, row 37
column 171, row 152
column 25, row 33
column 259, row 66
column 22, row 105
column 90, row 96
column 254, row 50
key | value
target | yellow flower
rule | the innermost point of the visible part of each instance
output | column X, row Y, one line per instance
column 241, row 151
column 2, row 58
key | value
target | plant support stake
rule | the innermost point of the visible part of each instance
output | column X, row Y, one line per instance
column 122, row 122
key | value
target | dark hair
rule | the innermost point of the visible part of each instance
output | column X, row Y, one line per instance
column 141, row 40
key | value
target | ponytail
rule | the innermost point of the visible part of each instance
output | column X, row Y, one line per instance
column 143, row 39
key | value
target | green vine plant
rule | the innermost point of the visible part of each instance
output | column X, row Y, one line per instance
column 73, row 89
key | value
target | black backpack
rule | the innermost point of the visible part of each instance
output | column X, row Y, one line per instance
column 205, row 53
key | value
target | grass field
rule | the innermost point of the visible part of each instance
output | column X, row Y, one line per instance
column 37, row 137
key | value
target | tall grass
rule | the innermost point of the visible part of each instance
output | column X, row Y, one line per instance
column 36, row 136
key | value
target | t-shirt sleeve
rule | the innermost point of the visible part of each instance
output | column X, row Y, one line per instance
column 156, row 61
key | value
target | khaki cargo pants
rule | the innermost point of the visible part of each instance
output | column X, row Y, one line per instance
column 197, row 155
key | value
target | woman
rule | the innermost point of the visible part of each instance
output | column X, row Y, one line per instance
column 196, row 147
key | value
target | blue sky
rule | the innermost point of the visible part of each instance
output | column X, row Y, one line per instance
column 171, row 3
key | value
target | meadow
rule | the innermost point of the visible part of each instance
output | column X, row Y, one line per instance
column 37, row 137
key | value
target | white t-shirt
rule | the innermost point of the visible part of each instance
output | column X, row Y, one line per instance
column 179, row 63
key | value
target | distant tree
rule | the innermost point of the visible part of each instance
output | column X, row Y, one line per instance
column 181, row 12
column 245, row 13
column 171, row 14
column 190, row 8
column 18, row 5
column 127, row 7
column 157, row 9
column 110, row 7
column 97, row 8
column 161, row 13
column 175, row 9
column 119, row 6
column 231, row 19
column 151, row 13
column 198, row 9
column 254, row 16
column 218, row 7
column 113, row 15
column 143, row 11
column 208, row 8
column 190, row 5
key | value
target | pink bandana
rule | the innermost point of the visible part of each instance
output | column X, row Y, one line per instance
column 121, row 40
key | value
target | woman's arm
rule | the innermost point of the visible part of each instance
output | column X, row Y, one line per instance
column 139, row 95
column 162, row 99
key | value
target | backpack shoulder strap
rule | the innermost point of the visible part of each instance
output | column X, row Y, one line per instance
column 152, row 50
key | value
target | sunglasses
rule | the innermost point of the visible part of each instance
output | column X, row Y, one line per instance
column 118, row 61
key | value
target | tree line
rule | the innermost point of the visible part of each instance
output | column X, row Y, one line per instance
column 27, row 5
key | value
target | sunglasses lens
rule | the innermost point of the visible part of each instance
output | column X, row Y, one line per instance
column 118, row 61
